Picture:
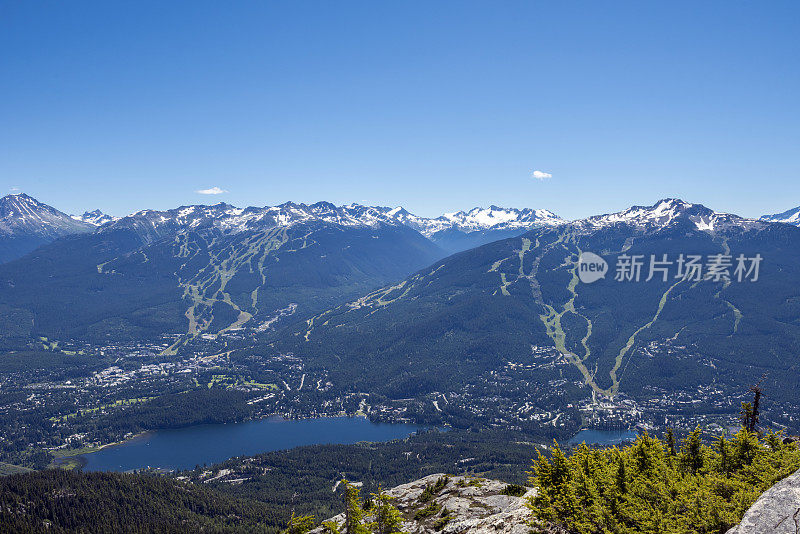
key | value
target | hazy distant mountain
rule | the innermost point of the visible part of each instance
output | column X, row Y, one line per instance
column 791, row 216
column 453, row 231
column 493, row 218
column 462, row 230
column 95, row 218
column 475, row 311
column 152, row 225
column 26, row 223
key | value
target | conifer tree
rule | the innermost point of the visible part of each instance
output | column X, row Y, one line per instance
column 773, row 440
column 330, row 527
column 621, row 478
column 299, row 524
column 353, row 513
column 556, row 500
column 747, row 415
column 745, row 448
column 692, row 452
column 387, row 518
column 724, row 460
column 671, row 442
column 756, row 390
column 643, row 488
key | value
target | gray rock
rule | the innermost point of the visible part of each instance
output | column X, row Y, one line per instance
column 476, row 506
column 777, row 511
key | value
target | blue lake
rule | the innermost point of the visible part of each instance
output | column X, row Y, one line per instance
column 184, row 448
column 602, row 437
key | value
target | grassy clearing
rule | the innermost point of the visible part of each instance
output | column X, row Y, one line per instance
column 9, row 469
column 70, row 458
column 120, row 402
column 230, row 381
column 69, row 453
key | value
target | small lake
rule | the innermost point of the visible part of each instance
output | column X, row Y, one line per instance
column 184, row 448
column 602, row 437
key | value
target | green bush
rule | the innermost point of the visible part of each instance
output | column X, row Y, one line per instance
column 515, row 490
column 429, row 511
column 646, row 488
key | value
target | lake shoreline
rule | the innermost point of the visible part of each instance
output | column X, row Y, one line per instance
column 601, row 438
column 187, row 447
column 76, row 455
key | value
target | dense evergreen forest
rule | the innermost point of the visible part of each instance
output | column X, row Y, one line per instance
column 58, row 501
column 655, row 486
column 176, row 410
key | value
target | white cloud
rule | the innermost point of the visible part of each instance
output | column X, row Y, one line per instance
column 541, row 175
column 212, row 191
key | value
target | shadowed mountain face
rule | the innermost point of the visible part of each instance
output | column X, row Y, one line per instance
column 26, row 223
column 125, row 283
column 476, row 310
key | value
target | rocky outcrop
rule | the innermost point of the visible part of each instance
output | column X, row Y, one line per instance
column 777, row 511
column 460, row 505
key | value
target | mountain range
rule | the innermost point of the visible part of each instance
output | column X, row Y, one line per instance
column 484, row 222
column 145, row 276
column 206, row 269
column 26, row 223
column 476, row 311
column 376, row 296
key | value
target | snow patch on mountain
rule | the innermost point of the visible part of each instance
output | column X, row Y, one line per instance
column 156, row 224
column 21, row 214
column 496, row 218
column 666, row 212
column 791, row 216
column 95, row 218
column 477, row 219
column 24, row 216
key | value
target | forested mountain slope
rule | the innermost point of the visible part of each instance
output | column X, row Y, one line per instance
column 59, row 501
column 476, row 310
column 129, row 281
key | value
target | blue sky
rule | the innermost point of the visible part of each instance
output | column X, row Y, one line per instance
column 437, row 106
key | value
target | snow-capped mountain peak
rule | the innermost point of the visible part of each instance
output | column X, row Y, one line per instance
column 497, row 218
column 23, row 215
column 791, row 216
column 668, row 211
column 95, row 218
column 156, row 224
